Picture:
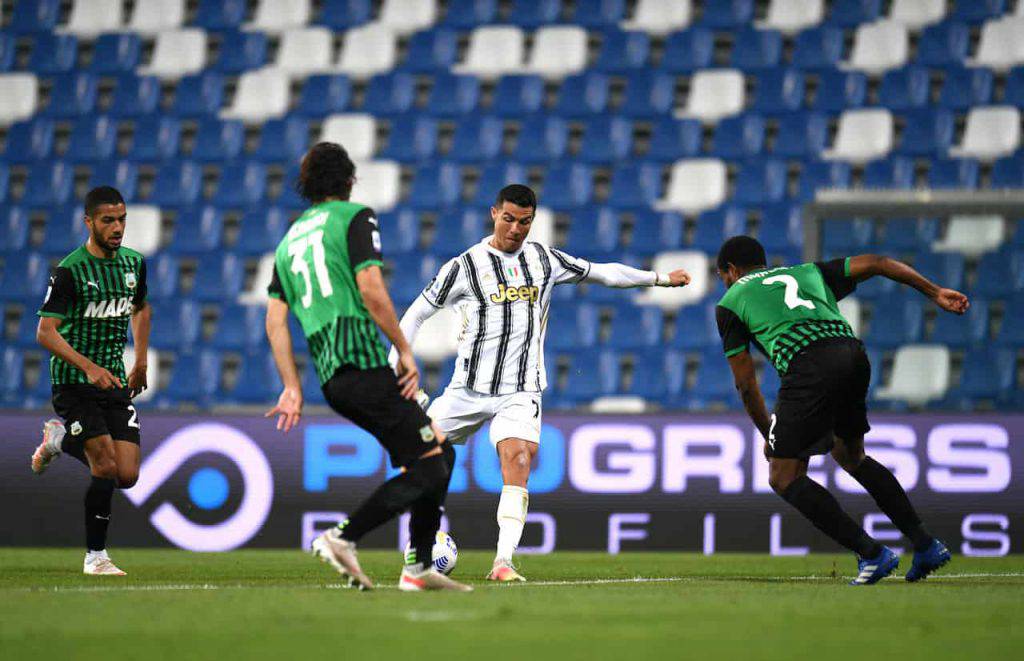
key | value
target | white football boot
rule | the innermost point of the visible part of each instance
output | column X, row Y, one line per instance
column 49, row 448
column 431, row 579
column 341, row 554
column 100, row 565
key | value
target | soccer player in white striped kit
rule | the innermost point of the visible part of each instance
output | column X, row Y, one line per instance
column 502, row 288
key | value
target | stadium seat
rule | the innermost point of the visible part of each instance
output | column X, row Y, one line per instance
column 688, row 51
column 909, row 235
column 953, row 173
column 658, row 17
column 356, row 131
column 900, row 322
column 477, row 138
column 72, row 95
column 239, row 328
column 377, row 184
column 282, row 140
column 115, row 54
column 779, row 91
column 431, row 51
column 541, row 139
column 976, row 12
column 592, row 376
column 792, row 16
column 53, row 53
column 195, row 379
column 657, row 375
column 818, row 48
column 468, row 14
column 739, row 137
column 893, row 172
column 973, row 236
column 837, row 91
column 218, row 140
column 654, row 232
column 695, row 328
column 801, row 135
column 1008, row 173
column 594, row 232
column 324, row 95
column 1000, row 47
column 256, row 292
column 345, row 14
column 963, row 88
column 90, row 18
column 648, row 94
column 177, row 53
column 635, row 186
column 991, row 132
column 198, row 95
column 880, row 46
column 672, row 139
column 946, row 268
column 134, row 96
column 390, row 94
column 961, row 332
column 12, row 367
column 606, row 140
column 846, row 237
column 635, row 327
column 520, row 96
column 7, row 43
column 14, row 222
column 999, row 275
column 29, row 141
column 493, row 177
column 863, row 135
column 558, row 51
column 220, row 14
column 34, row 16
column 242, row 186
column 715, row 226
column 257, row 382
column 920, row 373
column 672, row 298
column 151, row 17
column 276, row 16
column 926, row 133
column 155, row 138
column 583, row 95
column 567, row 185
column 713, row 384
column 25, row 277
column 916, row 14
column 261, row 230
column 435, row 186
column 198, row 232
column 177, row 184
column 48, row 185
column 180, row 325
column 437, row 339
column 905, row 88
column 121, row 174
column 756, row 49
column 218, row 280
column 367, row 50
column 781, row 229
column 261, row 95
column 850, row 309
column 143, row 229
column 714, row 95
column 92, row 139
column 988, row 376
column 817, row 175
column 240, row 52
column 64, row 230
column 493, row 52
column 944, row 45
column 304, row 51
column 623, row 52
column 761, row 182
column 453, row 95
column 695, row 185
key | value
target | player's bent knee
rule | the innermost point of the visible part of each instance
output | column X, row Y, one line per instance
column 105, row 468
column 127, row 480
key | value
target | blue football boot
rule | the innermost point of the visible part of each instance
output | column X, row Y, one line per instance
column 927, row 561
column 872, row 570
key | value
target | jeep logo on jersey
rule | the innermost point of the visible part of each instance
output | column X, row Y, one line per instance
column 117, row 307
column 130, row 280
column 531, row 294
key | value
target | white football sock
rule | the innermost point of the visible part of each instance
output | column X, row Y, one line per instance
column 512, row 508
column 92, row 556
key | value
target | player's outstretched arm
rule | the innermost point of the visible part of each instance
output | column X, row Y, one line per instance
column 142, row 322
column 621, row 276
column 289, row 404
column 742, row 365
column 863, row 267
column 382, row 311
column 54, row 342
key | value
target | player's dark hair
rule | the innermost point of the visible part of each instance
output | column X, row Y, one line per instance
column 517, row 194
column 742, row 251
column 326, row 171
column 97, row 197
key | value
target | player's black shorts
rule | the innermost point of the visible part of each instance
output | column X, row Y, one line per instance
column 824, row 392
column 89, row 412
column 372, row 400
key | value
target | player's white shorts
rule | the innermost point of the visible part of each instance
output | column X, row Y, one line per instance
column 460, row 413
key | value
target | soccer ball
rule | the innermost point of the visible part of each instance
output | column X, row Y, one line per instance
column 444, row 553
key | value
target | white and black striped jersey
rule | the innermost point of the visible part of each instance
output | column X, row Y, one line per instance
column 503, row 300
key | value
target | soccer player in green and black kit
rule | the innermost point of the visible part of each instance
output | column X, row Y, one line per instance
column 791, row 315
column 95, row 293
column 328, row 272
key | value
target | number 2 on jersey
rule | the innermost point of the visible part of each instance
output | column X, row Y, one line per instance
column 300, row 265
column 792, row 297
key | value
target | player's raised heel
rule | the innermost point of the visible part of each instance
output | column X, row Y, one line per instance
column 101, row 566
column 928, row 561
column 872, row 570
column 430, row 579
column 49, row 448
column 504, row 572
column 341, row 554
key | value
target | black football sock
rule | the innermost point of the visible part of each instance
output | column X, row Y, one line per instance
column 892, row 499
column 97, row 512
column 425, row 518
column 823, row 510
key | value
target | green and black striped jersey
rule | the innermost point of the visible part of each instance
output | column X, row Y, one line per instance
column 782, row 310
column 95, row 299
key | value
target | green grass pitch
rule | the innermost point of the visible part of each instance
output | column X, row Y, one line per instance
column 285, row 605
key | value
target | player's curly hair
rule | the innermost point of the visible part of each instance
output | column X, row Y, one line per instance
column 741, row 251
column 326, row 171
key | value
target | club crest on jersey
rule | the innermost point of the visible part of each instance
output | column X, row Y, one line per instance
column 427, row 433
column 531, row 294
column 130, row 280
column 76, row 428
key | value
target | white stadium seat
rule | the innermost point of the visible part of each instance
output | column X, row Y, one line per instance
column 991, row 132
column 792, row 16
column 438, row 338
column 256, row 293
column 151, row 17
column 714, row 95
column 673, row 298
column 407, row 16
column 494, row 51
column 177, row 53
column 368, row 50
column 1001, row 46
column 558, row 51
column 305, row 51
column 850, row 308
column 659, row 17
column 920, row 373
column 279, row 15
column 542, row 229
column 378, row 184
column 261, row 95
column 357, row 133
column 152, row 372
column 863, row 135
column 143, row 230
column 695, row 185
column 90, row 18
column 620, row 404
column 19, row 96
column 972, row 235
column 916, row 14
column 880, row 46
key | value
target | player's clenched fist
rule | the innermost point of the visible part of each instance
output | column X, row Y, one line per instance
column 677, row 278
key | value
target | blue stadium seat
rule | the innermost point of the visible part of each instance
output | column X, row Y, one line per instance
column 954, row 173
column 846, row 237
column 902, row 89
column 28, row 325
column 1014, row 92
column 288, row 197
column 198, row 95
column 688, row 50
column 122, row 175
column 541, row 139
column 655, row 232
column 910, row 234
column 412, row 138
column 464, row 14
column 431, row 51
column 453, row 95
column 218, row 279
column 324, row 95
column 195, row 379
column 818, row 48
column 177, row 184
column 926, row 133
column 115, row 54
column 801, row 135
column 34, row 16
column 282, row 140
column 673, row 139
column 781, row 229
column 637, row 185
column 5, row 180
column 594, row 232
column 714, row 382
column 42, row 391
column 7, row 42
column 963, row 88
column 92, row 139
column 583, row 95
column 696, row 328
column 944, row 45
column 12, row 367
column 261, row 230
column 48, row 185
column 390, row 94
column 14, row 223
column 945, row 268
column 25, row 277
column 739, row 137
column 978, row 11
column 155, row 138
column 840, row 90
column 312, row 393
column 851, row 13
column 1008, row 173
column 761, row 182
column 988, row 375
column 477, row 138
column 961, row 332
column 53, row 53
column 135, row 96
column 72, row 95
column 779, row 91
column 344, row 14
column 658, row 375
column 29, row 141
column 823, row 174
column 568, row 185
column 896, row 172
column 436, row 186
column 239, row 328
column 603, row 14
column 494, row 177
column 756, row 49
column 179, row 324
column 218, row 140
column 606, row 140
column 220, row 14
column 727, row 14
column 198, row 231
column 520, row 96
column 592, row 376
column 241, row 186
column 874, row 289
column 241, row 51
column 401, row 226
column 573, row 326
column 1011, row 333
column 899, row 323
column 635, row 327
column 534, row 13
column 163, row 274
column 1000, row 274
column 715, row 226
column 623, row 52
